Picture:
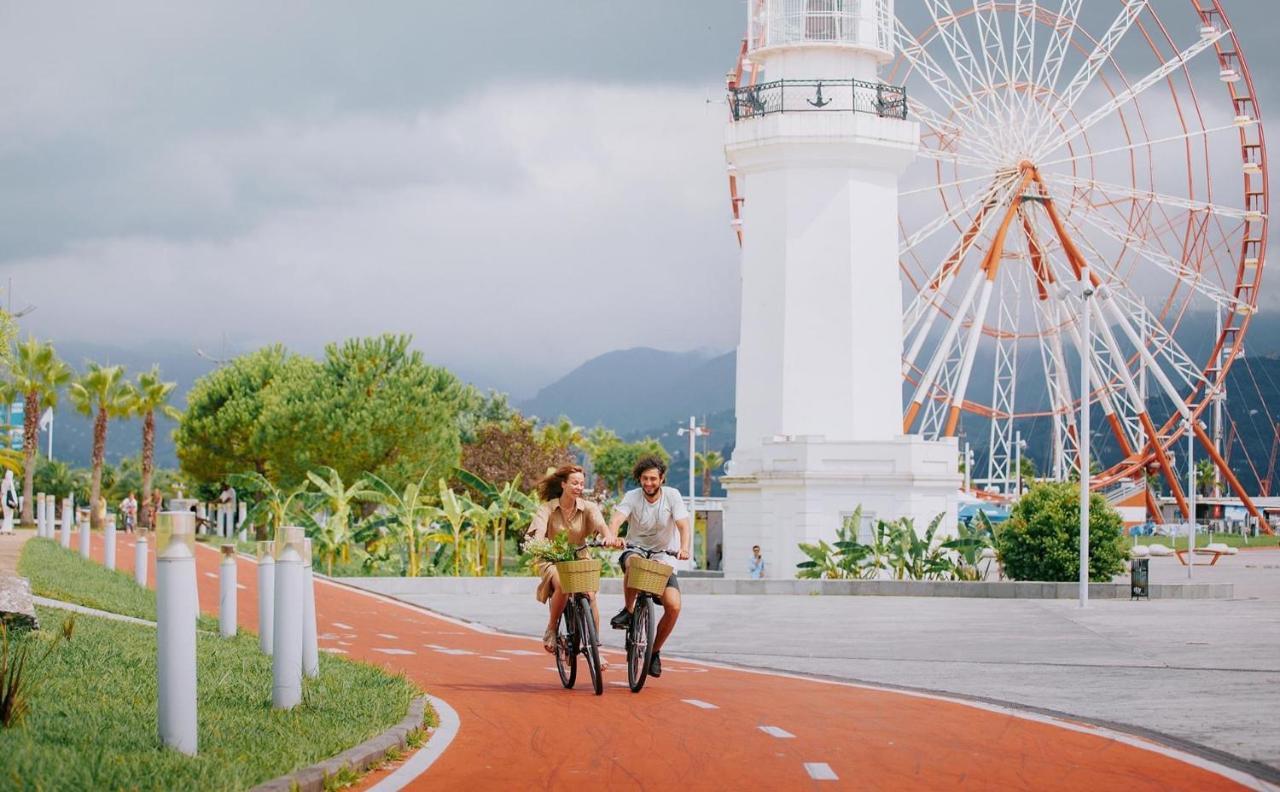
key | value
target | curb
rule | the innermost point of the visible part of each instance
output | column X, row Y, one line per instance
column 360, row 758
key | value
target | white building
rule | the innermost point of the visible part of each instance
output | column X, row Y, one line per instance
column 818, row 145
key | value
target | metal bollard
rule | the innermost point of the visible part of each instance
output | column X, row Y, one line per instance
column 40, row 513
column 176, row 610
column 84, row 537
column 310, row 648
column 140, row 560
column 286, row 654
column 109, row 543
column 227, row 592
column 50, row 512
column 266, row 595
column 67, row 524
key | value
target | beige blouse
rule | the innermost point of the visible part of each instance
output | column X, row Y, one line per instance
column 550, row 520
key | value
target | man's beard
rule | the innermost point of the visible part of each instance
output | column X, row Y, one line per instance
column 649, row 493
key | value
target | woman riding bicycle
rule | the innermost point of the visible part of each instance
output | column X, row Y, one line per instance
column 563, row 510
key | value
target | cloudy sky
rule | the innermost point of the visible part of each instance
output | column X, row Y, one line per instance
column 522, row 186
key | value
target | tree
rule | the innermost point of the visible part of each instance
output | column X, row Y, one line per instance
column 1041, row 539
column 101, row 393
column 458, row 513
column 151, row 395
column 707, row 464
column 510, row 451
column 37, row 373
column 615, row 463
column 224, row 429
column 407, row 512
column 561, row 436
column 272, row 507
column 510, row 510
column 1206, row 476
column 478, row 409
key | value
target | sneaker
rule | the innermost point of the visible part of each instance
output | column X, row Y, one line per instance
column 655, row 666
column 622, row 620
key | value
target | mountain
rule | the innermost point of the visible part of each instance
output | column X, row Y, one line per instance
column 631, row 390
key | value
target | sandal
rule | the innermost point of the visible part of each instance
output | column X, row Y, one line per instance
column 549, row 639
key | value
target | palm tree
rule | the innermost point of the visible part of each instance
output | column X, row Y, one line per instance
column 150, row 395
column 561, row 435
column 38, row 373
column 706, row 464
column 101, row 393
column 337, row 499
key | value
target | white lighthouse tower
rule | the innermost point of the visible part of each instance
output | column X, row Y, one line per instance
column 818, row 144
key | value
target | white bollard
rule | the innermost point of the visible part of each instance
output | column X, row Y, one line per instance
column 266, row 595
column 286, row 650
column 50, row 512
column 140, row 560
column 68, row 515
column 176, row 610
column 109, row 543
column 40, row 513
column 227, row 592
column 67, row 524
column 84, row 536
column 310, row 647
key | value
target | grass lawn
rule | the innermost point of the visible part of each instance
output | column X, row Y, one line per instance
column 1230, row 540
column 92, row 721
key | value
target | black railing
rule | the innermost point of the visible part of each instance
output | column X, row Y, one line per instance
column 807, row 96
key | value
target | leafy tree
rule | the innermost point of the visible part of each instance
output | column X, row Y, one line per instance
column 706, row 465
column 1206, row 476
column 615, row 463
column 1041, row 539
column 561, row 436
column 151, row 395
column 223, row 430
column 37, row 374
column 273, row 507
column 102, row 393
column 61, row 480
column 477, row 409
column 511, row 451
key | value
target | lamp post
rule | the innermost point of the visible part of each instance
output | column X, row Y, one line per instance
column 1191, row 496
column 1018, row 445
column 1085, row 389
column 176, row 609
column 694, row 431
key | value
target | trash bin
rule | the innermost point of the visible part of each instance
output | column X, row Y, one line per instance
column 1139, row 578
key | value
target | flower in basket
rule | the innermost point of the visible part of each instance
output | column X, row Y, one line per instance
column 551, row 550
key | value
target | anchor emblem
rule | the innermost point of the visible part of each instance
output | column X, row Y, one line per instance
column 818, row 101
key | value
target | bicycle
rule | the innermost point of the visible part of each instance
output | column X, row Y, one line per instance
column 576, row 634
column 640, row 631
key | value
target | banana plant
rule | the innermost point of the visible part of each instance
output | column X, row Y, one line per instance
column 274, row 507
column 407, row 512
column 455, row 511
column 971, row 540
column 333, row 534
column 510, row 509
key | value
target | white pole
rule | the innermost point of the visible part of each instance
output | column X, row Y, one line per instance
column 140, row 559
column 50, row 436
column 67, row 522
column 109, row 543
column 266, row 595
column 68, row 515
column 310, row 646
column 50, row 515
column 1191, row 497
column 693, row 448
column 227, row 592
column 40, row 505
column 1085, row 390
column 1017, row 463
column 286, row 650
column 84, row 537
column 176, row 630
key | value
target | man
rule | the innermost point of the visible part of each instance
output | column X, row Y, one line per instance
column 656, row 519
column 757, row 563
column 129, row 511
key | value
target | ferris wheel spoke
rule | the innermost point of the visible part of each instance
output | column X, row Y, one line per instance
column 995, row 61
column 949, row 132
column 1119, row 190
column 954, row 158
column 980, row 89
column 942, row 352
column 1024, row 53
column 1063, row 30
column 970, row 201
column 1141, row 144
column 986, row 177
column 1101, row 53
column 1128, row 95
column 938, row 79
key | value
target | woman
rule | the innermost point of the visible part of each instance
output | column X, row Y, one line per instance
column 563, row 510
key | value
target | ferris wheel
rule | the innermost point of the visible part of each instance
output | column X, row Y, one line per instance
column 1114, row 155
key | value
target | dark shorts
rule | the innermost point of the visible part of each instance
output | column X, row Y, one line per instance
column 672, row 582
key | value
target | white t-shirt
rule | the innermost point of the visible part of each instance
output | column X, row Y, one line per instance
column 653, row 525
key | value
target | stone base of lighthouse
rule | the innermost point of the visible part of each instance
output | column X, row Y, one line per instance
column 801, row 488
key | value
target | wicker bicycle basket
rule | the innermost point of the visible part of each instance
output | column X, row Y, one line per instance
column 647, row 575
column 579, row 577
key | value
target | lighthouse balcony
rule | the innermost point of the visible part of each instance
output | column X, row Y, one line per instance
column 818, row 96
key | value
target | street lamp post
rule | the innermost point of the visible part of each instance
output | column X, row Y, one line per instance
column 694, row 431
column 1085, row 389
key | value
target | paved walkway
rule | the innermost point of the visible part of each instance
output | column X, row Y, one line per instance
column 701, row 727
column 11, row 548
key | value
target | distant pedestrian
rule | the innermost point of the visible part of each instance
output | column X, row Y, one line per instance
column 9, row 501
column 157, row 506
column 757, row 563
column 129, row 512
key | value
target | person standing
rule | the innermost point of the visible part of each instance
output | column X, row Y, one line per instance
column 8, row 501
column 757, row 563
column 129, row 512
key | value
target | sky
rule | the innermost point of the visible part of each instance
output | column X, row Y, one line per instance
column 520, row 186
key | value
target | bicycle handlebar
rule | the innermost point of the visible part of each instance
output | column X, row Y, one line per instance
column 650, row 553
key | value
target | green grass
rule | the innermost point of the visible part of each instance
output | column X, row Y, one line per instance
column 1230, row 540
column 93, row 718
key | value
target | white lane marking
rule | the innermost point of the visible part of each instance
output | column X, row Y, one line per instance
column 491, row 657
column 699, row 704
column 417, row 764
column 522, row 652
column 389, row 636
column 333, row 650
column 820, row 771
column 774, row 731
column 344, row 643
column 242, row 587
column 210, row 574
column 326, row 636
column 394, row 651
column 437, row 647
column 342, row 626
column 455, row 651
column 619, row 684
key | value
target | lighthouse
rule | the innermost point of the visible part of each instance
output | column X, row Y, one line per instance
column 817, row 144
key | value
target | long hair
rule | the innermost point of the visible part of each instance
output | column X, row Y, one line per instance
column 552, row 486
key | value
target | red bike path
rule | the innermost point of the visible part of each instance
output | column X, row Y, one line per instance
column 702, row 726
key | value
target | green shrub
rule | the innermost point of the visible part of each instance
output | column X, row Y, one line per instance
column 1041, row 540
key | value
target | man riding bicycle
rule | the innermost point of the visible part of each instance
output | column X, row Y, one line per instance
column 656, row 520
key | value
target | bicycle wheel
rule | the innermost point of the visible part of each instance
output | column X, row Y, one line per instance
column 567, row 646
column 590, row 645
column 639, row 643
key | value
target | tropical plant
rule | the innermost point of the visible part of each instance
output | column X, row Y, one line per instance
column 102, row 393
column 597, row 441
column 561, row 436
column 916, row 556
column 1041, row 539
column 971, row 540
column 706, row 465
column 615, row 463
column 841, row 560
column 151, row 395
column 510, row 510
column 407, row 513
column 333, row 534
column 37, row 374
column 1206, row 477
column 458, row 514
column 272, row 507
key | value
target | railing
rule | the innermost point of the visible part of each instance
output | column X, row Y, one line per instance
column 807, row 96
